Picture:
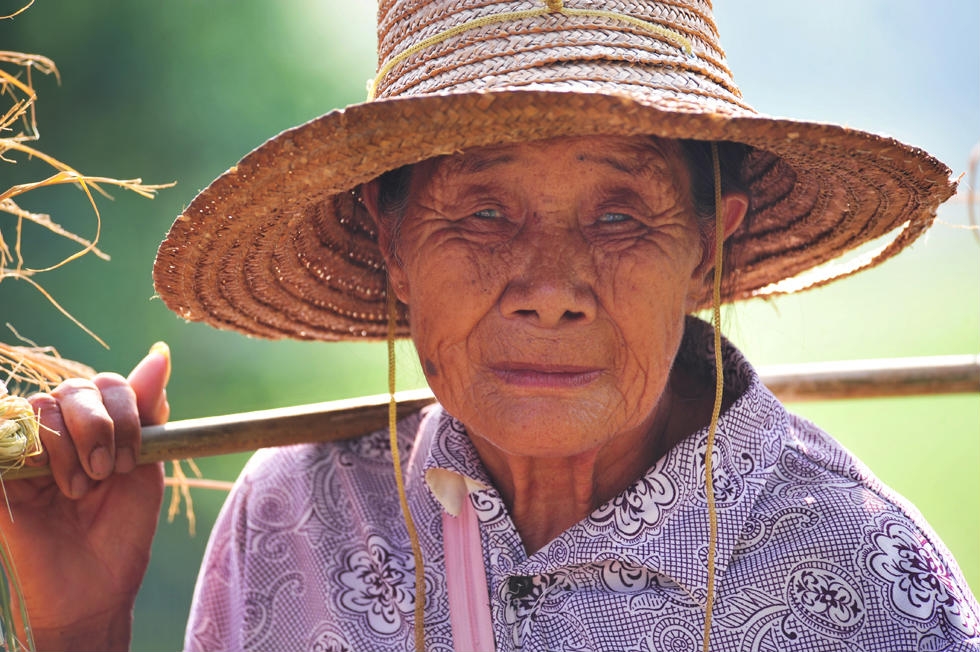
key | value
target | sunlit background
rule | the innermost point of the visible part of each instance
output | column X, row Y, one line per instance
column 179, row 90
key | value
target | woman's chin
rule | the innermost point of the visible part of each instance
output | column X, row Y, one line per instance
column 541, row 425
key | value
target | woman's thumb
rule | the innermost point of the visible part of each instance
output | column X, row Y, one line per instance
column 149, row 380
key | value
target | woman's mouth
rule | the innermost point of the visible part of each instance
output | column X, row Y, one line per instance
column 545, row 375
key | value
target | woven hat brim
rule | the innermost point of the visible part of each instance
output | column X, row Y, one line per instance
column 278, row 247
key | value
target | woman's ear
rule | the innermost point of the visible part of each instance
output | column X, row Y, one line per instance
column 734, row 208
column 735, row 205
column 396, row 271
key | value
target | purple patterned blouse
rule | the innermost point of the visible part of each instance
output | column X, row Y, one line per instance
column 310, row 551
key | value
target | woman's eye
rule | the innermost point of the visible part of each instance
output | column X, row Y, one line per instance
column 487, row 214
column 614, row 218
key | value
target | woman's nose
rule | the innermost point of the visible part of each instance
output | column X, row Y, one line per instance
column 553, row 285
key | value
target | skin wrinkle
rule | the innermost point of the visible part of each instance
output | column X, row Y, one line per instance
column 695, row 155
column 502, row 259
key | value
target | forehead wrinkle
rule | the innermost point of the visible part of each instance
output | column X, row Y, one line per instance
column 641, row 159
column 475, row 162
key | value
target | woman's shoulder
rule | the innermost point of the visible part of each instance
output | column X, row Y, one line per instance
column 363, row 458
column 299, row 530
column 833, row 527
column 819, row 473
column 814, row 461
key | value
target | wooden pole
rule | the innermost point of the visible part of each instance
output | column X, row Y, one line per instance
column 831, row 381
column 344, row 419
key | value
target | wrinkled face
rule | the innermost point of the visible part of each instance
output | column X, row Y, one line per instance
column 547, row 284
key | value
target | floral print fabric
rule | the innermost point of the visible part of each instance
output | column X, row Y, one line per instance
column 310, row 551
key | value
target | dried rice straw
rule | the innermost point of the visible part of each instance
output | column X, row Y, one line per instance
column 20, row 438
column 33, row 367
column 20, row 122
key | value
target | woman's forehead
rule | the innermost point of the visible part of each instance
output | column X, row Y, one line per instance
column 633, row 155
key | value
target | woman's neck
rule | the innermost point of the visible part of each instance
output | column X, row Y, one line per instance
column 547, row 495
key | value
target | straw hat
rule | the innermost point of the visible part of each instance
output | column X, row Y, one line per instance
column 278, row 246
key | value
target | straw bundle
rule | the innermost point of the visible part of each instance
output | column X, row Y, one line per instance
column 27, row 368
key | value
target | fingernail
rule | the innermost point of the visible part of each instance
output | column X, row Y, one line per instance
column 41, row 459
column 164, row 350
column 100, row 462
column 125, row 460
column 79, row 485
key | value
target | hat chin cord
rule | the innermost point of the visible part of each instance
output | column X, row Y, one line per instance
column 413, row 536
column 419, row 624
column 709, row 485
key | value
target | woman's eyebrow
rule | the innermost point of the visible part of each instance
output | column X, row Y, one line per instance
column 473, row 163
column 633, row 163
column 620, row 194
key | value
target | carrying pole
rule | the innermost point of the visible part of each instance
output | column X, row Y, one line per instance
column 335, row 420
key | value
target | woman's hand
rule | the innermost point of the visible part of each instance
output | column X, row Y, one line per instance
column 81, row 537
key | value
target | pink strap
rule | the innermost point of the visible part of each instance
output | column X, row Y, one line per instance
column 466, row 581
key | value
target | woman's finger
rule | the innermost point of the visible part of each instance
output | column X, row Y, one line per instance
column 119, row 400
column 62, row 458
column 88, row 424
column 149, row 381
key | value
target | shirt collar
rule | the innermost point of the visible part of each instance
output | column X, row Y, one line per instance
column 452, row 468
column 661, row 521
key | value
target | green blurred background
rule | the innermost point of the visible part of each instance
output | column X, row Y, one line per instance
column 179, row 90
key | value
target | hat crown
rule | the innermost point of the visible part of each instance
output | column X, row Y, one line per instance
column 279, row 245
column 650, row 48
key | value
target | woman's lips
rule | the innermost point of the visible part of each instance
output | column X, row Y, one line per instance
column 545, row 376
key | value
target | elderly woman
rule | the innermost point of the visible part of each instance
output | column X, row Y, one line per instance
column 538, row 194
